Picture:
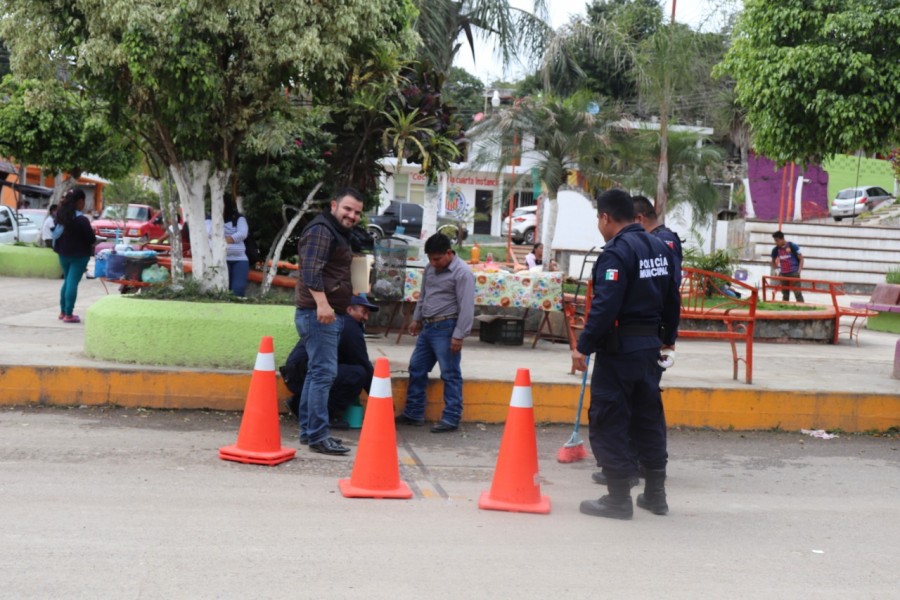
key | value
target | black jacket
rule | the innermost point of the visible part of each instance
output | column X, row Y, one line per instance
column 634, row 289
column 77, row 239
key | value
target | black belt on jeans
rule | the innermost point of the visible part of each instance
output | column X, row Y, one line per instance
column 430, row 320
column 629, row 330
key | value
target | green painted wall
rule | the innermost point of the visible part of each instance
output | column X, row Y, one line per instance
column 189, row 334
column 842, row 173
column 29, row 261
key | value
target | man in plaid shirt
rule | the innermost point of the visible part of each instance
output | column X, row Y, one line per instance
column 323, row 291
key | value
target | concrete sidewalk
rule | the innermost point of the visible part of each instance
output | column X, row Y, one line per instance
column 794, row 385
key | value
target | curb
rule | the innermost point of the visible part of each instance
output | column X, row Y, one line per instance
column 486, row 401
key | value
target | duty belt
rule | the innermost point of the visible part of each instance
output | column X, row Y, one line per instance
column 430, row 320
column 631, row 330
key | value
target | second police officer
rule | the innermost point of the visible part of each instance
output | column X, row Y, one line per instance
column 633, row 317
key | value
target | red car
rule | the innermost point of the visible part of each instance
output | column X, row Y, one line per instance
column 134, row 221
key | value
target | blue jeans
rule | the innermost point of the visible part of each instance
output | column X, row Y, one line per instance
column 433, row 346
column 238, row 270
column 73, row 268
column 322, row 346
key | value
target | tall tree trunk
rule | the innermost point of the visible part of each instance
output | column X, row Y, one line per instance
column 552, row 206
column 274, row 257
column 662, row 182
column 60, row 187
column 192, row 179
column 662, row 177
column 430, row 210
column 170, row 208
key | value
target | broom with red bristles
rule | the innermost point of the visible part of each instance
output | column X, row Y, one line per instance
column 573, row 450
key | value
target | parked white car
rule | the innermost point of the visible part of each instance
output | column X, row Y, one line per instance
column 17, row 229
column 857, row 200
column 524, row 220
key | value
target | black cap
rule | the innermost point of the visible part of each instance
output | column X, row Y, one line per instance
column 361, row 301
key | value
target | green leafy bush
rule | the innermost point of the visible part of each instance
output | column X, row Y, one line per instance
column 720, row 261
column 893, row 275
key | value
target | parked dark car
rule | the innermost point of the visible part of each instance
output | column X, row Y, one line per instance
column 406, row 218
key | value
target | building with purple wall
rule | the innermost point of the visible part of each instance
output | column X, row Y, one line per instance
column 773, row 190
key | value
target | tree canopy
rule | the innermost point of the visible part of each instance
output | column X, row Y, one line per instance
column 515, row 32
column 193, row 78
column 818, row 78
column 59, row 129
column 465, row 92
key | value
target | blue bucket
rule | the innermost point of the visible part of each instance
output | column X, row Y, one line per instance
column 354, row 416
column 99, row 267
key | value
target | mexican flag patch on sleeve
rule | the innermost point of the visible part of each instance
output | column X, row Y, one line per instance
column 611, row 275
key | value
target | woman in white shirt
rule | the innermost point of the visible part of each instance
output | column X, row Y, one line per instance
column 47, row 227
column 236, row 231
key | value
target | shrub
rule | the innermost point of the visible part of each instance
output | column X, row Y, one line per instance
column 720, row 261
column 893, row 275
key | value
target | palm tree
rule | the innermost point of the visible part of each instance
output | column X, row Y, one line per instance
column 660, row 63
column 693, row 165
column 516, row 32
column 559, row 136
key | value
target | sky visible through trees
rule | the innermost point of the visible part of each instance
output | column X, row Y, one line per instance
column 703, row 14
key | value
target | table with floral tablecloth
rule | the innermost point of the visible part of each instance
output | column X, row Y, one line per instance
column 524, row 289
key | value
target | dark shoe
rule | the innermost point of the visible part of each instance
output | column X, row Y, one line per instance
column 600, row 478
column 654, row 496
column 442, row 427
column 616, row 505
column 404, row 420
column 305, row 440
column 339, row 424
column 329, row 446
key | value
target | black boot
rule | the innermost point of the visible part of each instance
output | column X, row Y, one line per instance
column 600, row 478
column 615, row 505
column 654, row 496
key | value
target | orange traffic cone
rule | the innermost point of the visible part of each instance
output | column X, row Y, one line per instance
column 376, row 471
column 259, row 440
column 515, row 487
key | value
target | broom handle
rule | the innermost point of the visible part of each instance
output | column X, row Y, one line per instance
column 587, row 363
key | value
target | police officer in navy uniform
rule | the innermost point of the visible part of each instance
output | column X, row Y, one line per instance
column 645, row 214
column 634, row 316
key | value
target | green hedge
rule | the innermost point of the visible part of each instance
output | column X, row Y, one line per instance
column 29, row 261
column 189, row 334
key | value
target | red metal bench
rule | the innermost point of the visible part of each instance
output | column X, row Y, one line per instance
column 705, row 297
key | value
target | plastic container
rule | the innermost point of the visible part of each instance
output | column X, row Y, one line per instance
column 134, row 267
column 354, row 416
column 476, row 254
column 505, row 331
column 115, row 266
column 390, row 269
column 100, row 266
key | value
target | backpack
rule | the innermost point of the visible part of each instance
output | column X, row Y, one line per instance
column 252, row 250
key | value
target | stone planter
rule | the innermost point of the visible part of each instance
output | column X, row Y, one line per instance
column 29, row 261
column 782, row 325
column 189, row 334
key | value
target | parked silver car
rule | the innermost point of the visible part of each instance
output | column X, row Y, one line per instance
column 857, row 200
column 524, row 220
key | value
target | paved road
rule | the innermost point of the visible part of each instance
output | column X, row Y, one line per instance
column 112, row 503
